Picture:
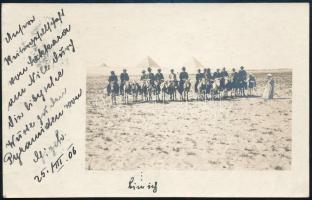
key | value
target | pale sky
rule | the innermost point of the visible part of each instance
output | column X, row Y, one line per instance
column 218, row 35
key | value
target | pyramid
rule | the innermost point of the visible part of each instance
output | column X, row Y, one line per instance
column 103, row 65
column 148, row 62
column 194, row 64
column 102, row 69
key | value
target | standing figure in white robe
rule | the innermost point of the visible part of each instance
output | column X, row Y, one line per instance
column 269, row 88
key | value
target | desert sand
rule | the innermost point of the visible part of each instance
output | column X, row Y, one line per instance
column 242, row 133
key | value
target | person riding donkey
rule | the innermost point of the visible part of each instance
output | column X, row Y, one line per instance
column 217, row 74
column 207, row 74
column 159, row 78
column 242, row 74
column 112, row 87
column 151, row 87
column 123, row 78
column 233, row 75
column 143, row 84
column 199, row 77
column 173, row 83
column 223, row 75
column 183, row 76
column 112, row 79
column 150, row 76
column 143, row 76
column 233, row 81
column 242, row 79
column 184, row 84
column 204, row 72
column 172, row 77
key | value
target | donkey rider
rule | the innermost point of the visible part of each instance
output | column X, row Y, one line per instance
column 183, row 77
column 123, row 78
column 112, row 79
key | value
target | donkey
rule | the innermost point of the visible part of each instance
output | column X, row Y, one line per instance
column 151, row 90
column 158, row 84
column 113, row 90
column 172, row 90
column 184, row 90
column 164, row 88
column 203, row 89
column 216, row 89
column 126, row 91
column 135, row 90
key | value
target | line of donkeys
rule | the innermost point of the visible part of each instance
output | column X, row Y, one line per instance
column 154, row 87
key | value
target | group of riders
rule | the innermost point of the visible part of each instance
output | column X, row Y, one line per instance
column 237, row 81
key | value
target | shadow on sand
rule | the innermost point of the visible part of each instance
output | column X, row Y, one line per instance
column 130, row 103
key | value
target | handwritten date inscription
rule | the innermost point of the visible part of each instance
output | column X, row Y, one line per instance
column 57, row 164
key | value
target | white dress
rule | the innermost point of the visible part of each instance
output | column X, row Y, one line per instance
column 269, row 89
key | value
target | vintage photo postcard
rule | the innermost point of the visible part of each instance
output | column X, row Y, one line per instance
column 161, row 100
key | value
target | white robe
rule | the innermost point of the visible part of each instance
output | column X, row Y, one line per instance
column 269, row 89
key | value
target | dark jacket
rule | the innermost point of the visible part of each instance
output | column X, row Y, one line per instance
column 183, row 75
column 112, row 78
column 224, row 74
column 216, row 75
column 207, row 75
column 159, row 76
column 124, row 77
column 234, row 76
column 242, row 75
column 199, row 76
column 151, row 77
column 144, row 77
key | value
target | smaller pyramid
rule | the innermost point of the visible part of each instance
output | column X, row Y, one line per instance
column 194, row 63
column 197, row 64
column 102, row 69
column 103, row 65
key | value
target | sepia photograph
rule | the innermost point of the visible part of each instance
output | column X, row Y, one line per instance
column 205, row 95
column 155, row 100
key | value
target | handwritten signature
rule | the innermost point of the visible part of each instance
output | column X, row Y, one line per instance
column 137, row 183
column 46, row 151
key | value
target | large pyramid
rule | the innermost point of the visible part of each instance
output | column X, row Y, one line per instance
column 148, row 62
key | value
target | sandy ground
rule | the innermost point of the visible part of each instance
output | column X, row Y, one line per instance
column 244, row 133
